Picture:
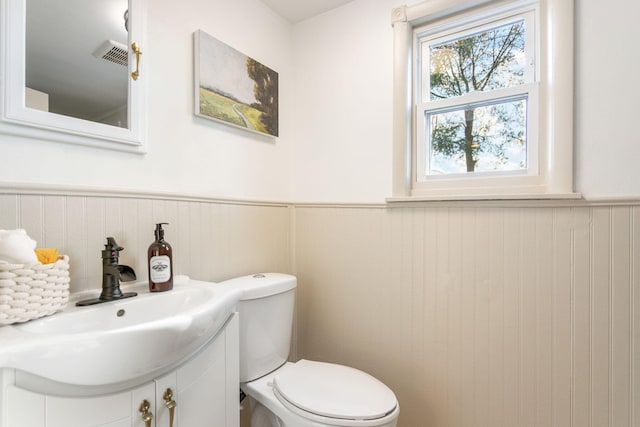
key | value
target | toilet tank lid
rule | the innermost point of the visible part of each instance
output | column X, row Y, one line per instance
column 261, row 285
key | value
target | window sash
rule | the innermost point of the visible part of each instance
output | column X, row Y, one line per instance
column 425, row 39
column 427, row 36
column 422, row 147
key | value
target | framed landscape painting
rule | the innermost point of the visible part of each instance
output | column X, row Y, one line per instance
column 233, row 88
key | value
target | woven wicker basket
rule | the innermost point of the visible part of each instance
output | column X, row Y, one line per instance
column 30, row 291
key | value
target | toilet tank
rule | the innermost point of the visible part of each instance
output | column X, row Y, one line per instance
column 266, row 319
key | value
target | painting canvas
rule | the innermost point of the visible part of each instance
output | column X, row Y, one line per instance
column 233, row 88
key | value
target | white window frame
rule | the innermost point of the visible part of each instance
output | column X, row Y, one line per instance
column 429, row 35
column 550, row 126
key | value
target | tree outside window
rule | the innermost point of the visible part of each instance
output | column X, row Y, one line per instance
column 480, row 136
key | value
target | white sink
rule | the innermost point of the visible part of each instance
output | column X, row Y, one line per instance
column 119, row 341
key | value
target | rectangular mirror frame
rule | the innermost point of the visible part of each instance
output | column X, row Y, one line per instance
column 16, row 119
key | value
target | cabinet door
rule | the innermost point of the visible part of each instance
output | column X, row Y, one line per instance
column 24, row 408
column 29, row 409
column 205, row 389
column 198, row 390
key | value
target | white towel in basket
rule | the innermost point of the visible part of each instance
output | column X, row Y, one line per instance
column 17, row 247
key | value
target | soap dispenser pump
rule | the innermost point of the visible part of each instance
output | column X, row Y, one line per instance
column 160, row 262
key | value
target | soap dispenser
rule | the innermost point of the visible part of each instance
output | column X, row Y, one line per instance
column 160, row 262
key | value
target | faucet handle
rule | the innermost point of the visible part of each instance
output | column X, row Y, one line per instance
column 112, row 245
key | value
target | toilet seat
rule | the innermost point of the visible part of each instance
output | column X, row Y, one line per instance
column 333, row 394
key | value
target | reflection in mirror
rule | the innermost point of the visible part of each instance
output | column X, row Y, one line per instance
column 76, row 59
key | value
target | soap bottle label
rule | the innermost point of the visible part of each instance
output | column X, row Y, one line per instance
column 160, row 268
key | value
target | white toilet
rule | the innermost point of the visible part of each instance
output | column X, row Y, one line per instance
column 305, row 393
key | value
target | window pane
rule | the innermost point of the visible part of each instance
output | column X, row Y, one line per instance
column 478, row 138
column 490, row 59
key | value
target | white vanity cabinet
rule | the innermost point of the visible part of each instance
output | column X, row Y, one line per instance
column 203, row 392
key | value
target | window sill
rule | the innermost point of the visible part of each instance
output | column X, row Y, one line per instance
column 482, row 197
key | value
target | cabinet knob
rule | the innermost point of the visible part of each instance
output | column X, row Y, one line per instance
column 145, row 414
column 170, row 404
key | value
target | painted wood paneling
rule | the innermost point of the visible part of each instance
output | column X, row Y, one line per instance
column 210, row 240
column 479, row 316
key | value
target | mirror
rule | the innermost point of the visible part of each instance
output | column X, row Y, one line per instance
column 76, row 59
column 68, row 72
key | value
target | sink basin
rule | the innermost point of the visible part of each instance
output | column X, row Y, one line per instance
column 119, row 341
column 146, row 307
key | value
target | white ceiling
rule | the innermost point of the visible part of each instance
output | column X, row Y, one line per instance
column 299, row 10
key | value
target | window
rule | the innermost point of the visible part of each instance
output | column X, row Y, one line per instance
column 474, row 100
column 469, row 118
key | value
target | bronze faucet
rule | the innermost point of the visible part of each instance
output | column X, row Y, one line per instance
column 112, row 273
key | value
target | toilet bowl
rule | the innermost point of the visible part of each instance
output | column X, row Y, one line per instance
column 308, row 393
column 305, row 393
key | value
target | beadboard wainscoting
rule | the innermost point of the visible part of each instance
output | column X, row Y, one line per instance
column 475, row 314
column 211, row 240
column 479, row 316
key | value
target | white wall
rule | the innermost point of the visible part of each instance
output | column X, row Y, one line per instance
column 343, row 71
column 186, row 155
column 335, row 109
column 607, row 63
column 343, row 92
